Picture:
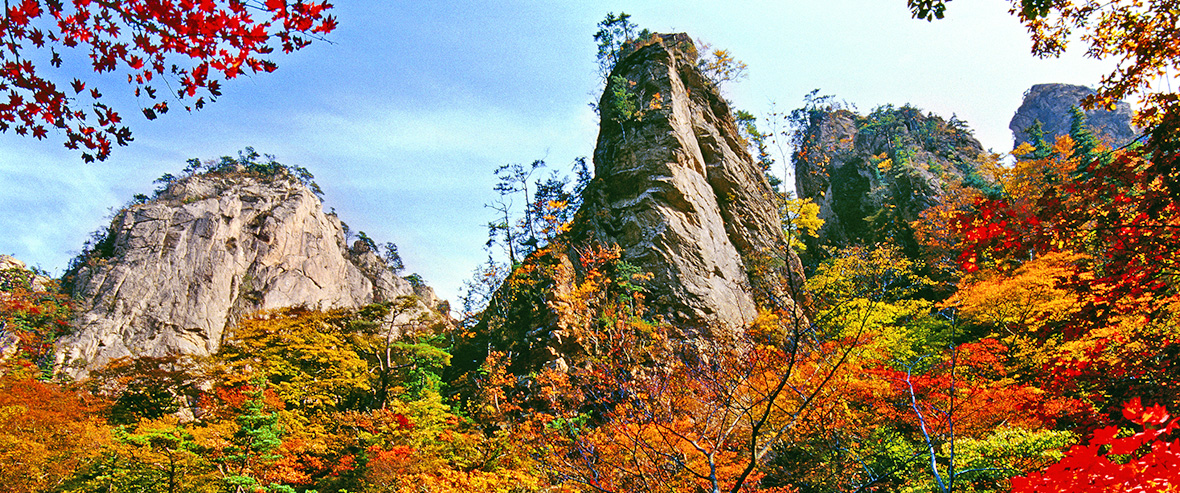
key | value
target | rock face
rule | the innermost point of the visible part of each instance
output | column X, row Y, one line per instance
column 676, row 194
column 1050, row 104
column 678, row 191
column 873, row 175
column 180, row 269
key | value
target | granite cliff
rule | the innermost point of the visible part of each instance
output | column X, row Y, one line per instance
column 676, row 197
column 174, row 273
column 873, row 175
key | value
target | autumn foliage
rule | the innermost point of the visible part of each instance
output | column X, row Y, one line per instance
column 1114, row 460
column 1032, row 346
column 169, row 50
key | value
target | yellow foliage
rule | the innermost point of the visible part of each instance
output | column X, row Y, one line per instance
column 1027, row 179
column 455, row 481
column 1029, row 299
column 800, row 216
column 306, row 355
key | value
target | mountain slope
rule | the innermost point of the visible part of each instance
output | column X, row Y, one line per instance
column 173, row 274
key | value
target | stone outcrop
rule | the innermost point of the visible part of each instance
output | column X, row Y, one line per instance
column 680, row 199
column 174, row 273
column 873, row 175
column 37, row 282
column 1050, row 104
column 15, row 276
column 677, row 190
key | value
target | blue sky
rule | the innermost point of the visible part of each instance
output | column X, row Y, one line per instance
column 406, row 113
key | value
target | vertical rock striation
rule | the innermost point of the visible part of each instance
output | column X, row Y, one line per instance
column 677, row 190
column 676, row 195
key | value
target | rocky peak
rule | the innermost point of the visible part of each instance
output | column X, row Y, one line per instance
column 873, row 175
column 1050, row 104
column 677, row 190
column 676, row 194
column 36, row 281
column 173, row 273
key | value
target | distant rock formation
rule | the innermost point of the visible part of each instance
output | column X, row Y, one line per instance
column 873, row 175
column 679, row 195
column 1050, row 104
column 16, row 276
column 37, row 282
column 174, row 273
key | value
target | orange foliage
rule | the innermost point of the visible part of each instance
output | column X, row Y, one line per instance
column 47, row 433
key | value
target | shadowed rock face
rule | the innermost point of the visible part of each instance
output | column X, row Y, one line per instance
column 678, row 195
column 678, row 192
column 1050, row 104
column 874, row 175
column 184, row 266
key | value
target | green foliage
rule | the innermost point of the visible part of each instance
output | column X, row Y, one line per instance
column 479, row 290
column 1086, row 146
column 367, row 242
column 549, row 207
column 99, row 247
column 147, row 387
column 415, row 281
column 519, row 237
column 1041, row 147
column 31, row 319
column 251, row 163
column 986, row 463
column 623, row 103
column 873, row 290
column 392, row 259
column 254, row 444
column 927, row 9
column 15, row 280
column 422, row 364
column 760, row 142
column 615, row 37
column 801, row 119
column 159, row 456
column 880, row 273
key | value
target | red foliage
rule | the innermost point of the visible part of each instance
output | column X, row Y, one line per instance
column 1143, row 462
column 1123, row 212
column 147, row 38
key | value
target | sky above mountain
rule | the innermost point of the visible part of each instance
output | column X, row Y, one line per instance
column 405, row 114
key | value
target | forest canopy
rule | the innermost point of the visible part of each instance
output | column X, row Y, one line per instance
column 1026, row 339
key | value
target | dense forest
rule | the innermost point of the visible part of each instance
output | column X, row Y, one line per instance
column 1017, row 332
